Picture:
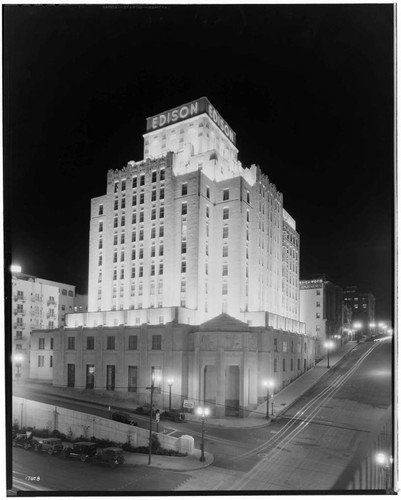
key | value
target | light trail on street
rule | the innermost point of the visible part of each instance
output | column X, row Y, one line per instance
column 294, row 426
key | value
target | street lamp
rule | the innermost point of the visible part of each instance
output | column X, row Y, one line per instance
column 386, row 462
column 203, row 412
column 170, row 382
column 18, row 360
column 154, row 379
column 329, row 344
column 268, row 384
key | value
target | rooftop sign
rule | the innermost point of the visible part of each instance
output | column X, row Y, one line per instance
column 308, row 284
column 189, row 110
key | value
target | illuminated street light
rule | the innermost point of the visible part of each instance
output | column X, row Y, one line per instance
column 154, row 379
column 390, row 331
column 329, row 344
column 203, row 412
column 357, row 325
column 18, row 358
column 386, row 463
column 269, row 384
column 170, row 382
column 372, row 325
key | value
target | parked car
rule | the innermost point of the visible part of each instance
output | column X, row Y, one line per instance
column 124, row 417
column 23, row 440
column 50, row 445
column 144, row 409
column 174, row 414
column 112, row 456
column 83, row 449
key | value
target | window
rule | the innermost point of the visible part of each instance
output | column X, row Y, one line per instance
column 133, row 342
column 226, row 194
column 51, row 343
column 247, row 215
column 225, row 269
column 283, row 365
column 71, row 343
column 115, row 204
column 154, row 176
column 317, row 304
column 123, row 185
column 317, row 315
column 207, row 192
column 64, row 291
column 123, row 203
column 134, row 182
column 100, row 209
column 134, row 218
column 142, row 180
column 133, row 272
column 111, row 342
column 184, row 208
column 134, row 201
column 141, row 235
column 114, row 274
column 285, row 346
column 183, row 266
column 123, row 220
column 122, row 274
column 226, row 213
column 100, row 244
column 156, row 342
column 142, row 198
column 275, row 345
column 184, row 247
column 248, row 198
column 152, row 270
column 141, row 271
column 162, row 174
column 41, row 361
column 110, row 377
column 122, row 240
column 115, row 257
column 153, row 216
column 317, row 292
column 51, row 362
column 152, row 251
column 275, row 365
column 225, row 251
column 99, row 262
column 100, row 227
column 141, row 253
column 183, row 286
column 41, row 343
column 161, row 268
column 161, row 250
column 225, row 288
column 184, row 189
column 161, row 215
column 18, row 347
column 161, row 232
column 90, row 343
column 115, row 239
column 225, row 231
column 153, row 198
column 132, row 378
column 207, row 211
column 161, row 194
column 115, row 222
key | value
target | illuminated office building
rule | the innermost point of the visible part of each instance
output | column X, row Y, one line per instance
column 196, row 257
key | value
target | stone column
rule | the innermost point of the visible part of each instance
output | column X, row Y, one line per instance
column 244, row 379
column 221, row 384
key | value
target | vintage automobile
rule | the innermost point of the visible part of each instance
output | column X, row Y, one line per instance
column 112, row 456
column 174, row 414
column 50, row 445
column 124, row 417
column 23, row 440
column 83, row 450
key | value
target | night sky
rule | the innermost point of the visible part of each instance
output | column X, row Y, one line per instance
column 308, row 89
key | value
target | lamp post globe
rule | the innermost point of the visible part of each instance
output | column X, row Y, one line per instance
column 203, row 412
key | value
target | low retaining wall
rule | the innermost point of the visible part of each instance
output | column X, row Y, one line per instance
column 28, row 413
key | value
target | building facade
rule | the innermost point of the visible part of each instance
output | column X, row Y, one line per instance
column 37, row 304
column 322, row 310
column 362, row 305
column 194, row 260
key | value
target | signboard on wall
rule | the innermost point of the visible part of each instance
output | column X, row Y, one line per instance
column 189, row 110
column 309, row 284
column 188, row 404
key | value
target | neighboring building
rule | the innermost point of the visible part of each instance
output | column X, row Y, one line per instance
column 362, row 305
column 80, row 303
column 37, row 305
column 321, row 309
column 195, row 257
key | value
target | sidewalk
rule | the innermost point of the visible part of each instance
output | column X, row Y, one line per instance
column 182, row 464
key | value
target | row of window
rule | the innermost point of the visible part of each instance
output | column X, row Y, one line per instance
column 291, row 364
column 134, row 238
column 41, row 361
column 285, row 346
column 42, row 343
column 111, row 342
column 121, row 186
